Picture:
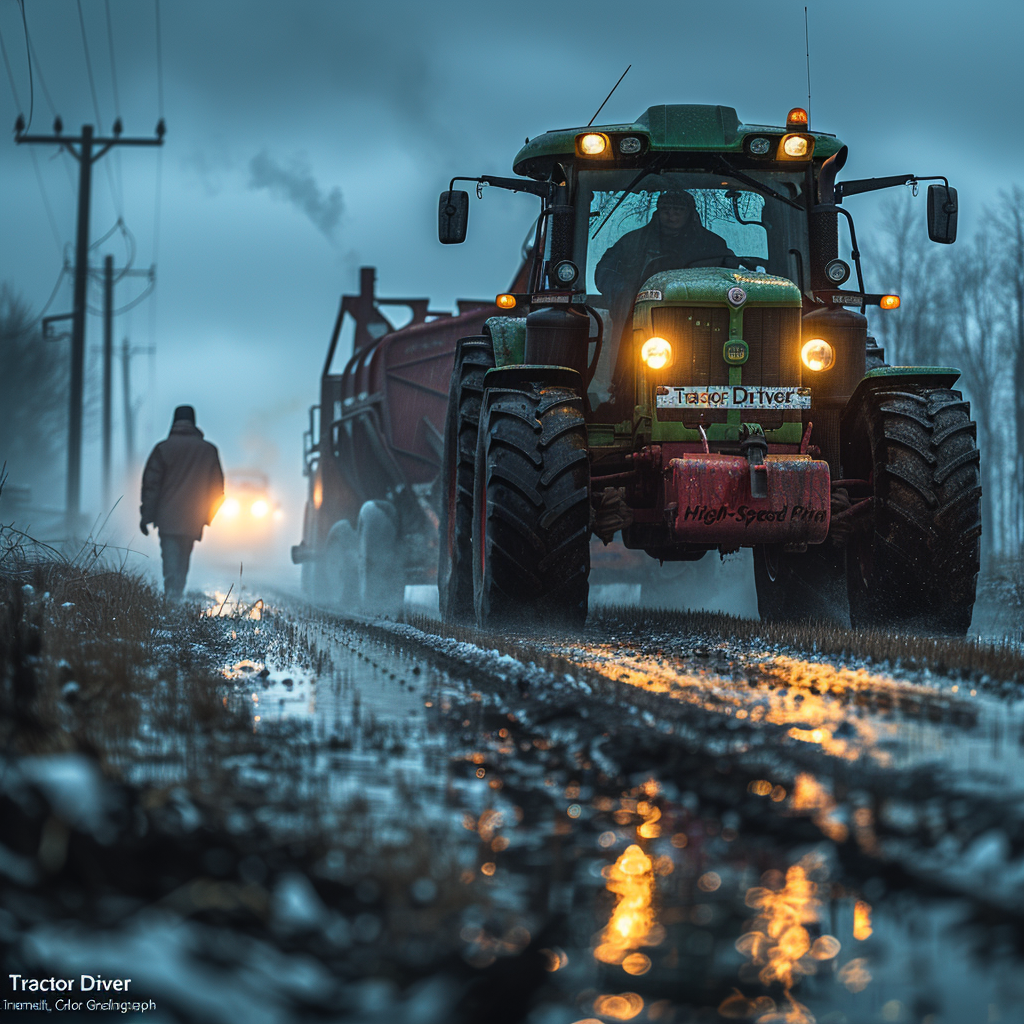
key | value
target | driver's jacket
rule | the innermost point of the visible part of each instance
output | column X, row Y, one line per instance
column 620, row 271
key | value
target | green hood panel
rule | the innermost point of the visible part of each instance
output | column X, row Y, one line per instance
column 710, row 284
column 673, row 127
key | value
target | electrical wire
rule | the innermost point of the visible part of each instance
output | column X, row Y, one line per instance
column 117, row 102
column 49, row 301
column 96, row 107
column 61, row 152
column 128, row 305
column 28, row 57
column 10, row 73
column 159, row 63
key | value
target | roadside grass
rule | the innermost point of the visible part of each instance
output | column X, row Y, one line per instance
column 681, row 632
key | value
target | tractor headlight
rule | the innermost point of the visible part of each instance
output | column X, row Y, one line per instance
column 592, row 144
column 656, row 353
column 259, row 508
column 817, row 354
column 231, row 508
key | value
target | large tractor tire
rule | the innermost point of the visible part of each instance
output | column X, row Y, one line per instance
column 531, row 509
column 917, row 568
column 474, row 358
column 338, row 574
column 808, row 585
column 380, row 560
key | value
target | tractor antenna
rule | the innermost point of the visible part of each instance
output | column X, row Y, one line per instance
column 807, row 46
column 609, row 96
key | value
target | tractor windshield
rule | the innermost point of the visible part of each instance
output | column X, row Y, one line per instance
column 629, row 229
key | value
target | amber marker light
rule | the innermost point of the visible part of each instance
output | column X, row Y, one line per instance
column 592, row 144
column 890, row 302
column 656, row 353
column 505, row 301
column 817, row 354
column 796, row 119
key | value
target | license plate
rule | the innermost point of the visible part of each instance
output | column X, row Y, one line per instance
column 733, row 396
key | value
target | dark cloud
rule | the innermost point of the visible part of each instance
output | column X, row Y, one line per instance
column 295, row 184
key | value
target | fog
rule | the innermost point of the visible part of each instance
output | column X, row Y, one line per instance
column 307, row 139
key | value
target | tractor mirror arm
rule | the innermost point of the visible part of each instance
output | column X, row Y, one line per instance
column 858, row 185
column 544, row 189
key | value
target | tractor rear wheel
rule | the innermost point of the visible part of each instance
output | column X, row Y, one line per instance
column 381, row 582
column 531, row 509
column 474, row 358
column 917, row 568
column 339, row 573
column 800, row 585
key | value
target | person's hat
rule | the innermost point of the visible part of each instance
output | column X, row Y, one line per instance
column 185, row 412
column 677, row 199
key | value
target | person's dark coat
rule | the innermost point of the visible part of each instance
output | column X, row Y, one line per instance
column 182, row 484
column 620, row 272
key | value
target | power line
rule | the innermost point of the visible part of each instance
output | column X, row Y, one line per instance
column 31, row 87
column 96, row 107
column 117, row 100
column 113, row 66
column 88, row 68
column 53, row 111
column 159, row 63
column 10, row 73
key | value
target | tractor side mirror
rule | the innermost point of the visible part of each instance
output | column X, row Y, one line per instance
column 942, row 210
column 452, row 217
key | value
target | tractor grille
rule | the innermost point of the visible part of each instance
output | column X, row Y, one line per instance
column 697, row 335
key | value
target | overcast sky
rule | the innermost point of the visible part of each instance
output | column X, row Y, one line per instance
column 306, row 139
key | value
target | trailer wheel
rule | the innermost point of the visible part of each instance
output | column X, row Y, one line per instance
column 339, row 572
column 531, row 509
column 918, row 567
column 806, row 585
column 474, row 358
column 380, row 562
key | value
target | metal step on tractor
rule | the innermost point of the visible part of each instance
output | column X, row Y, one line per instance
column 685, row 369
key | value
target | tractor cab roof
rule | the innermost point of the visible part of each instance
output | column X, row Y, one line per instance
column 668, row 127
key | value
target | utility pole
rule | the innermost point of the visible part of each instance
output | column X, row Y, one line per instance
column 90, row 149
column 126, row 387
column 108, row 359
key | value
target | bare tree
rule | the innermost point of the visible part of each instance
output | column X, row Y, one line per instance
column 1007, row 223
column 32, row 395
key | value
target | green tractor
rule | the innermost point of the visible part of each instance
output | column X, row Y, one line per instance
column 686, row 370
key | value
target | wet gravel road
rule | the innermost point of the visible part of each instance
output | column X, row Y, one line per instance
column 691, row 828
column 641, row 822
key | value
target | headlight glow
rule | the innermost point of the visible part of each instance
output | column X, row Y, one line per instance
column 592, row 144
column 817, row 354
column 231, row 508
column 656, row 353
column 259, row 508
column 795, row 145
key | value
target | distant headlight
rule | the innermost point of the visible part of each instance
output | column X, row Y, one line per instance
column 817, row 354
column 231, row 508
column 259, row 508
column 656, row 353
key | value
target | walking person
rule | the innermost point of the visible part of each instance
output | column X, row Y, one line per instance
column 182, row 488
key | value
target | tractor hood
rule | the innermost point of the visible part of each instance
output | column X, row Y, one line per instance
column 712, row 284
column 668, row 127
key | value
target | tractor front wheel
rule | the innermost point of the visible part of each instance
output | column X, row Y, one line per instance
column 531, row 509
column 474, row 358
column 917, row 568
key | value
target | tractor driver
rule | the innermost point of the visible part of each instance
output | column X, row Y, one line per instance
column 674, row 238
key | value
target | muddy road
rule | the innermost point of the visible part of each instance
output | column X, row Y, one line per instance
column 656, row 825
column 664, row 818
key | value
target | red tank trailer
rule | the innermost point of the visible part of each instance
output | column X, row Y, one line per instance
column 373, row 450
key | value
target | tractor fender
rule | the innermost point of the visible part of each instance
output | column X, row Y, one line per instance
column 508, row 337
column 519, row 376
column 884, row 378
